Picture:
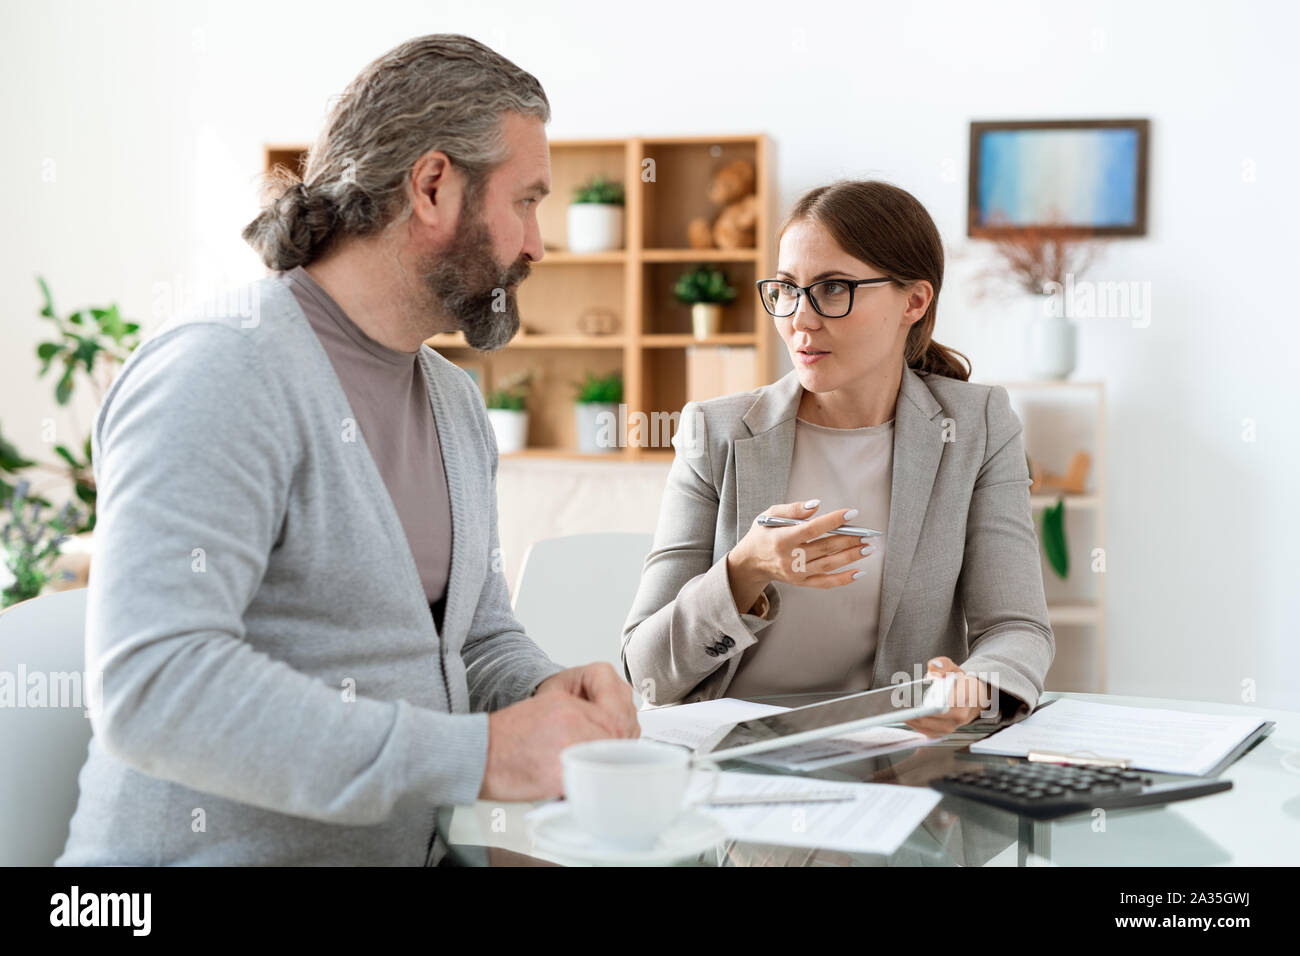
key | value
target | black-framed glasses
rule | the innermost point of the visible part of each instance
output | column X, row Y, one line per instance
column 832, row 298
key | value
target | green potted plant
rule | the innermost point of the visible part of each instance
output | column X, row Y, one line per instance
column 596, row 216
column 599, row 398
column 32, row 536
column 507, row 406
column 89, row 344
column 706, row 291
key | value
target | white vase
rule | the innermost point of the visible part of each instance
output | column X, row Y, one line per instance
column 1052, row 346
column 597, row 424
column 595, row 227
column 510, row 427
column 706, row 319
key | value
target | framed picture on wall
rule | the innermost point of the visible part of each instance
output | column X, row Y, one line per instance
column 1087, row 176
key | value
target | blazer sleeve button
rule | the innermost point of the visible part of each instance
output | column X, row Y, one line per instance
column 727, row 641
column 711, row 651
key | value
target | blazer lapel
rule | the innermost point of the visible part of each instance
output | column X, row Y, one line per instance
column 763, row 473
column 763, row 461
column 918, row 446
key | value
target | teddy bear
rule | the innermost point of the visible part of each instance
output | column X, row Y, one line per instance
column 733, row 189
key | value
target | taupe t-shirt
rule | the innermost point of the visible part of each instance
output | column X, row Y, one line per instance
column 390, row 402
column 825, row 638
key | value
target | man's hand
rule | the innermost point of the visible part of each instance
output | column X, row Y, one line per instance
column 525, row 740
column 600, row 684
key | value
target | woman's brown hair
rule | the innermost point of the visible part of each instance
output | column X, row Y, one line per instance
column 889, row 229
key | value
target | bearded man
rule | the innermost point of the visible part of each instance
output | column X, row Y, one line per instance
column 297, row 603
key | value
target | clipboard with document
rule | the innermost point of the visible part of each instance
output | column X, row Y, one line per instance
column 1162, row 740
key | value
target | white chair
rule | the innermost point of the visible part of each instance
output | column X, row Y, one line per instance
column 42, row 748
column 574, row 594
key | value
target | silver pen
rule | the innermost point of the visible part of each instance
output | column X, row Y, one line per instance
column 807, row 796
column 771, row 521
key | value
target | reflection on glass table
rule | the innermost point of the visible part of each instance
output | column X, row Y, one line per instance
column 1255, row 823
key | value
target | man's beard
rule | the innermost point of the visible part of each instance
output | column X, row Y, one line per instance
column 465, row 283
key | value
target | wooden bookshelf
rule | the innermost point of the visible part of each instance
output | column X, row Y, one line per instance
column 1060, row 417
column 634, row 283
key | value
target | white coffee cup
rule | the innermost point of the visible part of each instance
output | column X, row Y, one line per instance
column 625, row 793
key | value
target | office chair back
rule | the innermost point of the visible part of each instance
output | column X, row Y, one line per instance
column 44, row 730
column 575, row 592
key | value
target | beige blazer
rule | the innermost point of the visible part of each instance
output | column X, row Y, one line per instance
column 962, row 575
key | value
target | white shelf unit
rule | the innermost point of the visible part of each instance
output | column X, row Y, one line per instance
column 1060, row 418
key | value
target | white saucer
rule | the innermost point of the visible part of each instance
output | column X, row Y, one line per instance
column 692, row 834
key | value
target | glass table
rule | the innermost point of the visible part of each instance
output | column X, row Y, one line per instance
column 1257, row 822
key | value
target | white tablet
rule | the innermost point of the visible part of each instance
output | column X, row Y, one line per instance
column 832, row 718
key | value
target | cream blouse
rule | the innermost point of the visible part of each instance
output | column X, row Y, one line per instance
column 825, row 638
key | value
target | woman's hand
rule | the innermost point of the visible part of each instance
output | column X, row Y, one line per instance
column 969, row 696
column 791, row 554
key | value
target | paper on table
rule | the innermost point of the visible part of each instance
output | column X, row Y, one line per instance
column 877, row 820
column 690, row 724
column 1150, row 738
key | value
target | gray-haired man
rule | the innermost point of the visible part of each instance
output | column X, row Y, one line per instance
column 297, row 603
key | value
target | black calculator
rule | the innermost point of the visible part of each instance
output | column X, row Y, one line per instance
column 1044, row 791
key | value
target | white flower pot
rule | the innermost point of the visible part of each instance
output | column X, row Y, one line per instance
column 595, row 227
column 706, row 319
column 510, row 427
column 597, row 424
column 1052, row 346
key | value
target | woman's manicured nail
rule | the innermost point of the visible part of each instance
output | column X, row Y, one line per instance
column 869, row 549
column 867, row 541
column 850, row 514
column 812, row 504
column 858, row 574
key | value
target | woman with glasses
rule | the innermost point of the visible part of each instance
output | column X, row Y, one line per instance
column 876, row 428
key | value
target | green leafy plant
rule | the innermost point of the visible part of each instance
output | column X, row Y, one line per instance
column 512, row 394
column 1054, row 544
column 704, row 284
column 94, row 340
column 1052, row 535
column 11, row 463
column 596, row 389
column 599, row 190
column 31, row 544
column 88, row 343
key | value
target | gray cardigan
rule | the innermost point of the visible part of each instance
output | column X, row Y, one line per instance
column 962, row 575
column 275, row 688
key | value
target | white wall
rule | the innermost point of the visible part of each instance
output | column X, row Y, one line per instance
column 154, row 115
